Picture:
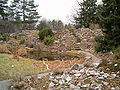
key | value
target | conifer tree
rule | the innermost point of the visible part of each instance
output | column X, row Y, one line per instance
column 15, row 10
column 32, row 14
column 109, row 15
column 24, row 10
column 3, row 9
column 86, row 14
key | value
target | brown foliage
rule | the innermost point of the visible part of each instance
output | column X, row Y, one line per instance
column 4, row 48
column 22, row 51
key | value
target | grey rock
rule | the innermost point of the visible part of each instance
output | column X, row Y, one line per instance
column 96, row 64
column 65, row 89
column 105, row 83
column 117, row 88
column 113, row 75
column 77, row 67
column 91, row 88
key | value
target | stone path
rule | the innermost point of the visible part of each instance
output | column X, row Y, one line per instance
column 95, row 60
column 4, row 85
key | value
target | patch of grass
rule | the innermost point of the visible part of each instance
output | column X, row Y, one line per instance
column 10, row 67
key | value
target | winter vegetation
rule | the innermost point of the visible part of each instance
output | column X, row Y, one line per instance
column 41, row 54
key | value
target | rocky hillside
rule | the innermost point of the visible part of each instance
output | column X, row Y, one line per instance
column 87, row 38
column 80, row 77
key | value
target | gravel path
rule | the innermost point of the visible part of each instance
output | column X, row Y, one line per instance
column 95, row 60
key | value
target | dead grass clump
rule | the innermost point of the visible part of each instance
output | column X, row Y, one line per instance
column 58, row 71
column 22, row 51
column 4, row 48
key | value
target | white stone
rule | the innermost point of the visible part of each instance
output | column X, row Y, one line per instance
column 96, row 64
column 61, row 82
column 98, row 88
column 92, row 72
column 102, row 73
column 51, row 78
column 116, row 65
column 112, row 88
column 88, row 57
column 100, row 78
column 84, row 86
column 58, row 77
column 77, row 75
column 68, row 79
column 106, row 75
column 105, row 83
column 51, row 84
column 107, row 69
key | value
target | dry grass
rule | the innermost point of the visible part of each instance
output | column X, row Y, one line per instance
column 59, row 64
column 4, row 48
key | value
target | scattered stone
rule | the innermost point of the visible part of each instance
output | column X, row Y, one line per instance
column 92, row 73
column 105, row 83
column 112, row 88
column 90, row 88
column 84, row 86
column 77, row 75
column 116, row 65
column 106, row 75
column 117, row 88
column 68, row 79
column 100, row 78
column 77, row 67
column 51, row 78
column 61, row 82
column 51, row 85
column 80, row 78
column 113, row 75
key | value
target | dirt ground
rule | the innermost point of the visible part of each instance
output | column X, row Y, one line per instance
column 57, row 64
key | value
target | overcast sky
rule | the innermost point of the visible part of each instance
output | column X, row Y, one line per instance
column 56, row 9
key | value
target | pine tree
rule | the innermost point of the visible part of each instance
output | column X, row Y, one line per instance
column 86, row 13
column 15, row 10
column 32, row 14
column 24, row 10
column 3, row 9
column 110, row 20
